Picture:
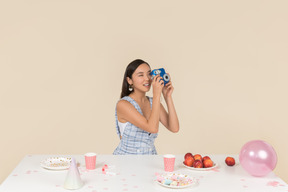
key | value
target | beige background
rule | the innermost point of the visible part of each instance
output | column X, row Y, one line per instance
column 62, row 64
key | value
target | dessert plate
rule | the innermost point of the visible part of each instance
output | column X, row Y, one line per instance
column 201, row 169
column 176, row 180
column 56, row 163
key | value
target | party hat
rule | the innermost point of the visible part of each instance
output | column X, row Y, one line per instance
column 73, row 180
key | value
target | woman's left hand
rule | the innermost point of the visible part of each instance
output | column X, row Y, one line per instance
column 168, row 89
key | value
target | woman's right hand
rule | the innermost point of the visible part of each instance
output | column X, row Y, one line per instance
column 158, row 85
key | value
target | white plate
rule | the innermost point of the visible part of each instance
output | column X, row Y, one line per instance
column 201, row 169
column 177, row 177
column 56, row 163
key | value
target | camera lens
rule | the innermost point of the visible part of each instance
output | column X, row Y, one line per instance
column 166, row 77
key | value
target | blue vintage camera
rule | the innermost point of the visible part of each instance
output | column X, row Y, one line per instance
column 162, row 73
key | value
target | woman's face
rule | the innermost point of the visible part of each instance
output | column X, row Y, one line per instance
column 141, row 78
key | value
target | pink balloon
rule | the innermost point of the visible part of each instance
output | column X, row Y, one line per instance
column 258, row 158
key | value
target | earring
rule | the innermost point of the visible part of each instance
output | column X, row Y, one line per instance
column 130, row 88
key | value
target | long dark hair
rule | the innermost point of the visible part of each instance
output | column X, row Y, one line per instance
column 128, row 73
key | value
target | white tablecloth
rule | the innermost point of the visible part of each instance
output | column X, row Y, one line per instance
column 135, row 173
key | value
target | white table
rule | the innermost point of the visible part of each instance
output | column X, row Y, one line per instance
column 135, row 173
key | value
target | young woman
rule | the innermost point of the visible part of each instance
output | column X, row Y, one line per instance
column 137, row 115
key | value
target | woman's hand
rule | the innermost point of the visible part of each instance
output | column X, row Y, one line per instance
column 168, row 89
column 158, row 85
column 169, row 119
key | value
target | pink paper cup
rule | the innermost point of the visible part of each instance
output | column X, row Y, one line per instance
column 90, row 160
column 169, row 161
